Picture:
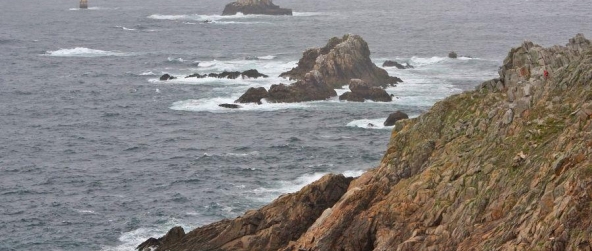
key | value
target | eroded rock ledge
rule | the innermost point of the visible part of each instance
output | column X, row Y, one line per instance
column 505, row 167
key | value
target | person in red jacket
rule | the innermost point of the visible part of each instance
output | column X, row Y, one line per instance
column 546, row 73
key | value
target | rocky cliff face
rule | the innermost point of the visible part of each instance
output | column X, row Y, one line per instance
column 269, row 228
column 341, row 60
column 255, row 7
column 505, row 167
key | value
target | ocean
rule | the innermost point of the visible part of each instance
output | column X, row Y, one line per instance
column 97, row 154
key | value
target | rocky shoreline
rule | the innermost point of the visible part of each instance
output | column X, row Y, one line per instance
column 504, row 167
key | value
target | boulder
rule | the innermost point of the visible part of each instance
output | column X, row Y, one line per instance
column 253, row 95
column 166, row 77
column 312, row 87
column 255, row 7
column 341, row 60
column 253, row 74
column 230, row 106
column 361, row 91
column 394, row 117
column 452, row 54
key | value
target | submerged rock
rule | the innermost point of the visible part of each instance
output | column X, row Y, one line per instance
column 394, row 117
column 361, row 91
column 255, row 7
column 341, row 60
column 230, row 106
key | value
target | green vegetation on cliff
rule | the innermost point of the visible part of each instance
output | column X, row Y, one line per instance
column 504, row 167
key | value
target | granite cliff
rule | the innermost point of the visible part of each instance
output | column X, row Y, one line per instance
column 504, row 167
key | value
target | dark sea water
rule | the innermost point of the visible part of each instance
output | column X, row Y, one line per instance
column 96, row 154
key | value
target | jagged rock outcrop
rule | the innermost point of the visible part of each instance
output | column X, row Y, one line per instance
column 394, row 117
column 267, row 229
column 341, row 60
column 255, row 7
column 253, row 95
column 312, row 87
column 505, row 167
column 361, row 91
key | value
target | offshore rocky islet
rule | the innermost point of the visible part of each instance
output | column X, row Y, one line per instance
column 504, row 167
column 341, row 61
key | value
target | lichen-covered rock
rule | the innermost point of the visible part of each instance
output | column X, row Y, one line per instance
column 361, row 91
column 312, row 87
column 267, row 229
column 341, row 60
column 255, row 7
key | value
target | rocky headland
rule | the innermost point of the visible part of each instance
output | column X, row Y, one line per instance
column 504, row 167
column 254, row 7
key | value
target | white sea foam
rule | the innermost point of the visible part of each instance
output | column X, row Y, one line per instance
column 369, row 123
column 268, row 57
column 231, row 155
column 176, row 60
column 214, row 19
column 291, row 186
column 418, row 61
column 82, row 211
column 212, row 105
column 83, row 52
column 148, row 73
column 353, row 173
column 130, row 240
column 125, row 28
